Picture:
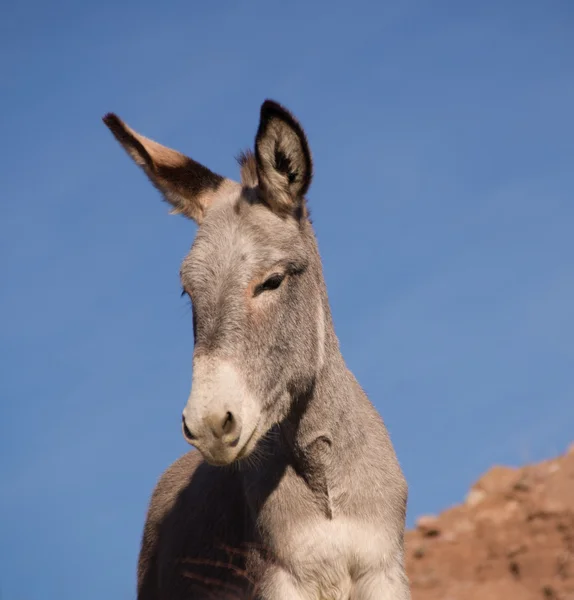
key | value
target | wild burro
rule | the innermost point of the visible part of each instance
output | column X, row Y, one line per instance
column 294, row 491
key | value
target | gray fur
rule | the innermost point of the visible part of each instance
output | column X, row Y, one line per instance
column 295, row 492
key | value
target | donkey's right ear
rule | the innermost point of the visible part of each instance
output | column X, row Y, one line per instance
column 283, row 158
column 187, row 185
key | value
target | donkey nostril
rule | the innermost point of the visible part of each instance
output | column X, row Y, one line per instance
column 228, row 423
column 224, row 427
column 186, row 432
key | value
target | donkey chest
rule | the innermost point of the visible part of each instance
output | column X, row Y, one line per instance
column 326, row 556
column 323, row 552
column 314, row 532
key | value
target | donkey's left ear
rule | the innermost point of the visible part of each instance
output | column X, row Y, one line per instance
column 187, row 185
column 284, row 165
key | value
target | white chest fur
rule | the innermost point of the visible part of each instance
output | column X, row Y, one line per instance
column 325, row 556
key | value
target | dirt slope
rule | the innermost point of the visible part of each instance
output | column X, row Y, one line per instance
column 512, row 539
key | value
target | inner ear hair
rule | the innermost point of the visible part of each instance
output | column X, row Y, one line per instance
column 283, row 158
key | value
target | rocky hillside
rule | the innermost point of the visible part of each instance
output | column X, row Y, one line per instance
column 512, row 539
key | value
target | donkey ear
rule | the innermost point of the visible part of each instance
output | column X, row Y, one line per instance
column 187, row 185
column 283, row 158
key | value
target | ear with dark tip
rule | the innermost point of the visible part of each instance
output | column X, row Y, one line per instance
column 187, row 185
column 283, row 158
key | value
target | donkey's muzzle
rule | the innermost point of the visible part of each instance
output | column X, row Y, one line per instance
column 218, row 434
column 221, row 414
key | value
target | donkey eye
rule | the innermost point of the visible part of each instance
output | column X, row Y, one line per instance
column 271, row 283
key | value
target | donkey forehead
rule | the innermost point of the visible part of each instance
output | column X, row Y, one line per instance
column 240, row 238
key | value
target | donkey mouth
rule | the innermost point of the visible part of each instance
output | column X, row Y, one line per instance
column 249, row 445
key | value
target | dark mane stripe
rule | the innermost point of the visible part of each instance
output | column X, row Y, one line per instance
column 246, row 160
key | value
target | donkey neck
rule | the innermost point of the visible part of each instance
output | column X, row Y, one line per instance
column 325, row 409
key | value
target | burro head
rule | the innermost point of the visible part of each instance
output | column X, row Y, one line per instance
column 254, row 278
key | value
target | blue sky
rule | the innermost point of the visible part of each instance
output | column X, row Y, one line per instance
column 443, row 200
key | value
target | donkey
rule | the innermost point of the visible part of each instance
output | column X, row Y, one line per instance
column 294, row 491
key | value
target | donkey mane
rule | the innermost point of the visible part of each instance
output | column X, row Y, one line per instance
column 248, row 168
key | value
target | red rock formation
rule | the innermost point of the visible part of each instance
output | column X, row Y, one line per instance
column 512, row 539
